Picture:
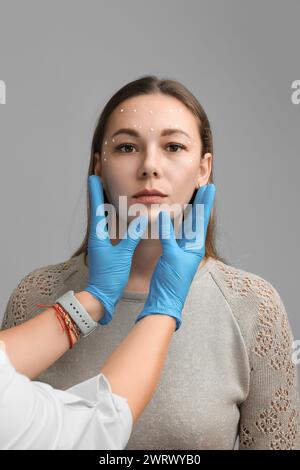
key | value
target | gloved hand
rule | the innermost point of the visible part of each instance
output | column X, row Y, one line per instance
column 176, row 268
column 109, row 265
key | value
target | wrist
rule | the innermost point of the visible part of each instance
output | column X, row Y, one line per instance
column 92, row 305
column 159, row 320
column 170, row 312
column 105, row 301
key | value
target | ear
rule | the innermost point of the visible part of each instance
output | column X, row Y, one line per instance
column 204, row 169
column 97, row 165
column 98, row 169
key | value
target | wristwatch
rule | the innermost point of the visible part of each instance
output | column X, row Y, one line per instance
column 78, row 313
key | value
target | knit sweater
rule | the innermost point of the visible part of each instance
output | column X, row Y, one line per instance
column 228, row 382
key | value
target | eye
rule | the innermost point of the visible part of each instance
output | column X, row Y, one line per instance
column 124, row 145
column 177, row 145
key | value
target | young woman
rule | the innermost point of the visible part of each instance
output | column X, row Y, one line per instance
column 229, row 380
column 36, row 416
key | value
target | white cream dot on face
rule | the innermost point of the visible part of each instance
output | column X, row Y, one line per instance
column 151, row 129
column 113, row 139
column 121, row 110
column 105, row 143
column 134, row 110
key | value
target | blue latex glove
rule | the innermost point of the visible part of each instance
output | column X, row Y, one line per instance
column 176, row 268
column 109, row 265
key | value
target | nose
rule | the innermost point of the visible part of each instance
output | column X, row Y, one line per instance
column 149, row 166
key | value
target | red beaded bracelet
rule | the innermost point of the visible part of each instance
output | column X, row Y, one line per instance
column 67, row 323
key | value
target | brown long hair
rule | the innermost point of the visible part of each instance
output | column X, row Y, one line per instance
column 147, row 85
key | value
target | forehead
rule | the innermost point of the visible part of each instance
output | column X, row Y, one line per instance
column 156, row 110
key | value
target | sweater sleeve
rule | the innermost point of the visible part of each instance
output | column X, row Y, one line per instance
column 39, row 286
column 16, row 308
column 269, row 417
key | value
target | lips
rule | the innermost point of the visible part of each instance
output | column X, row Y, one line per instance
column 150, row 199
column 149, row 192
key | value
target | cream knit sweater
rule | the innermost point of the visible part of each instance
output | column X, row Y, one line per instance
column 229, row 380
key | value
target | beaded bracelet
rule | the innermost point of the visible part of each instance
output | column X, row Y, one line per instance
column 67, row 323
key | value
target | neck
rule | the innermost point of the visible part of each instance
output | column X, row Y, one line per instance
column 145, row 256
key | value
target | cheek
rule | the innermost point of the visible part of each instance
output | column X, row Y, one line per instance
column 118, row 181
column 183, row 181
column 118, row 170
column 184, row 173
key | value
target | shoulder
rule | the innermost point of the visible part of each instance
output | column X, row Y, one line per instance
column 257, row 307
column 238, row 283
column 240, row 286
column 45, row 279
column 37, row 286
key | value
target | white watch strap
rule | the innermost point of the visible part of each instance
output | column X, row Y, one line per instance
column 77, row 312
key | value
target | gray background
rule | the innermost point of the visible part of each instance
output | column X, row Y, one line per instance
column 62, row 61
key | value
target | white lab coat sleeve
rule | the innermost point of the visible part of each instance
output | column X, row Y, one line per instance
column 34, row 415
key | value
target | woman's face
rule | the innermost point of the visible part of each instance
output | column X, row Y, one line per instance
column 150, row 155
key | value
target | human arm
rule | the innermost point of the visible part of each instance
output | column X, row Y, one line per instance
column 37, row 416
column 36, row 344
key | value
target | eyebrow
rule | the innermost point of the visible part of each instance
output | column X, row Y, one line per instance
column 164, row 132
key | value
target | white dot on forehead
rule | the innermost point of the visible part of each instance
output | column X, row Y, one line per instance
column 150, row 110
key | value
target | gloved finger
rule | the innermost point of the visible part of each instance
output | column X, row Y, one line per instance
column 196, row 223
column 166, row 230
column 97, row 215
column 200, row 224
column 208, row 201
column 135, row 231
column 199, row 199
